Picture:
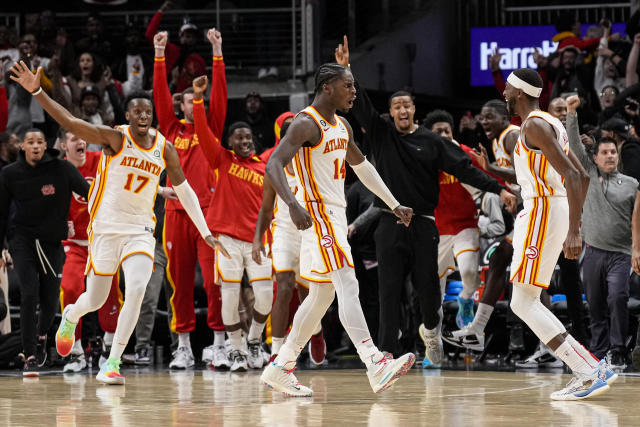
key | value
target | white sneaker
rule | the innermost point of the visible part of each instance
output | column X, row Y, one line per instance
column 282, row 380
column 182, row 359
column 220, row 360
column 388, row 370
column 76, row 363
column 542, row 358
column 433, row 345
column 466, row 337
column 238, row 361
column 256, row 358
column 582, row 386
column 207, row 354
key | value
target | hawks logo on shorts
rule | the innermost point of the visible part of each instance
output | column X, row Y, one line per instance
column 531, row 252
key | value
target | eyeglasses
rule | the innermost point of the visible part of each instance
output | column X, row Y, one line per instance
column 608, row 92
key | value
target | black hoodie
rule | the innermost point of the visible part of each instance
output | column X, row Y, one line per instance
column 42, row 194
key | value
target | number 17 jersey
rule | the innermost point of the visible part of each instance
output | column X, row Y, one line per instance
column 122, row 196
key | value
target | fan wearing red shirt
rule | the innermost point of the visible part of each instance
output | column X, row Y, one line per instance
column 182, row 242
column 232, row 215
column 76, row 248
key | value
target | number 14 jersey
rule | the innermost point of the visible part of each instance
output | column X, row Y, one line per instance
column 122, row 196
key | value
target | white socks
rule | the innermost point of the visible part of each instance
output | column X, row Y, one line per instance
column 183, row 340
column 276, row 344
column 235, row 337
column 482, row 317
column 255, row 331
column 586, row 355
column 218, row 338
column 573, row 359
column 108, row 338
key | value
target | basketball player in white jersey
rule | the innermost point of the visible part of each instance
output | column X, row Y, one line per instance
column 553, row 190
column 322, row 142
column 122, row 222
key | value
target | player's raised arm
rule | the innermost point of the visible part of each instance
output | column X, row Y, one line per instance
column 264, row 219
column 369, row 176
column 302, row 130
column 97, row 134
column 542, row 136
column 188, row 198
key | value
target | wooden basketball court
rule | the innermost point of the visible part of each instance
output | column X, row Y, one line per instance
column 342, row 398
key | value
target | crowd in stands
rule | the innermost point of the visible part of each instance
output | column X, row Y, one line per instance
column 591, row 84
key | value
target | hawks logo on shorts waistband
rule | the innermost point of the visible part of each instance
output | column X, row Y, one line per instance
column 327, row 241
column 531, row 252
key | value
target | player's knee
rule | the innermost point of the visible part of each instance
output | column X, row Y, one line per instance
column 230, row 293
column 263, row 293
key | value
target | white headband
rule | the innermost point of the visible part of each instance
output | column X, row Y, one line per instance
column 529, row 89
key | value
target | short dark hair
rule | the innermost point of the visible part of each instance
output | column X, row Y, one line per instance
column 326, row 73
column 62, row 133
column 137, row 95
column 239, row 125
column 186, row 91
column 436, row 116
column 603, row 140
column 30, row 130
column 529, row 76
column 398, row 93
column 499, row 106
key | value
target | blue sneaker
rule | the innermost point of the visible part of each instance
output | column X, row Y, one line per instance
column 582, row 387
column 426, row 364
column 465, row 312
column 607, row 373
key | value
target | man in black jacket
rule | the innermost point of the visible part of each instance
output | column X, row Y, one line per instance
column 408, row 158
column 41, row 186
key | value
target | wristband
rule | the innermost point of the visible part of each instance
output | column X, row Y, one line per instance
column 217, row 58
column 36, row 92
column 198, row 100
column 159, row 59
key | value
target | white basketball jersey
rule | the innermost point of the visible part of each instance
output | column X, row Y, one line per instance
column 122, row 196
column 503, row 158
column 321, row 169
column 536, row 176
column 281, row 217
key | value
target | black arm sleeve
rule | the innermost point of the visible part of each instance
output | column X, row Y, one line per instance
column 456, row 162
column 5, row 202
column 79, row 185
column 368, row 117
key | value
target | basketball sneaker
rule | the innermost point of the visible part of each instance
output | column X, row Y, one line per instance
column 610, row 375
column 65, row 337
column 142, row 356
column 432, row 345
column 182, row 359
column 385, row 372
column 466, row 337
column 255, row 359
column 76, row 363
column 465, row 312
column 317, row 349
column 220, row 359
column 543, row 357
column 238, row 361
column 31, row 367
column 615, row 359
column 207, row 354
column 110, row 372
column 582, row 386
column 282, row 380
column 104, row 354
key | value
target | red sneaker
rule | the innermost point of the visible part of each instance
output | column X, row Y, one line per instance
column 317, row 349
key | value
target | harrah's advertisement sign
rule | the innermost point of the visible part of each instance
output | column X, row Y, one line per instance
column 516, row 46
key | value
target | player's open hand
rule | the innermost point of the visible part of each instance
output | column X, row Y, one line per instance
column 300, row 216
column 572, row 246
column 342, row 52
column 256, row 249
column 481, row 157
column 200, row 85
column 405, row 214
column 23, row 75
column 217, row 245
column 160, row 39
column 509, row 200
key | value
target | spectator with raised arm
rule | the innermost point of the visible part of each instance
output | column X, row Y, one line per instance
column 632, row 62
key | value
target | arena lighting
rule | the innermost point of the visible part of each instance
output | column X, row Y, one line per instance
column 516, row 46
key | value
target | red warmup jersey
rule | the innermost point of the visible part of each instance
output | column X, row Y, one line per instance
column 78, row 212
column 235, row 204
column 192, row 160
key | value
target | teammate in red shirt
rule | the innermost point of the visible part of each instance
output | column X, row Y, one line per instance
column 182, row 242
column 232, row 215
column 76, row 248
